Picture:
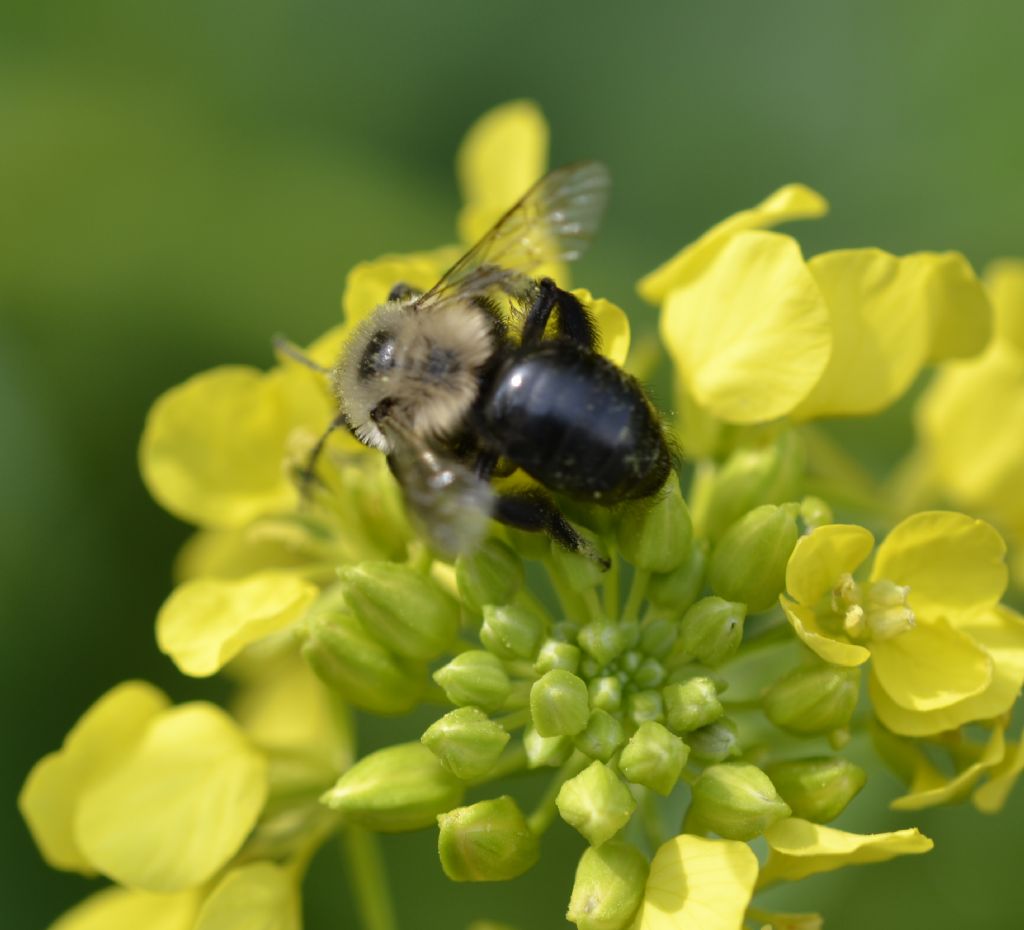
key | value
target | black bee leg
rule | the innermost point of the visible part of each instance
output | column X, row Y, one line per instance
column 573, row 320
column 307, row 472
column 403, row 292
column 535, row 512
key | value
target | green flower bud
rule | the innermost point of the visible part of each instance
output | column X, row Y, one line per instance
column 545, row 750
column 716, row 742
column 749, row 562
column 605, row 641
column 654, row 757
column 649, row 674
column 658, row 536
column 751, row 477
column 658, row 637
column 511, row 632
column 408, row 612
column 813, row 699
column 712, row 630
column 534, row 546
column 676, row 590
column 815, row 512
column 609, row 887
column 402, row 787
column 605, row 693
column 691, row 704
column 817, row 789
column 581, row 572
column 601, row 736
column 596, row 803
column 555, row 654
column 491, row 574
column 354, row 664
column 644, row 706
column 559, row 704
column 737, row 801
column 475, row 677
column 489, row 841
column 466, row 741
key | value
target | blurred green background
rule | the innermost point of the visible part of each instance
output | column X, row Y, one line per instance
column 179, row 182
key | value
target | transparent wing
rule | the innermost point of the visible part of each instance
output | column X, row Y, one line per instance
column 554, row 221
column 447, row 503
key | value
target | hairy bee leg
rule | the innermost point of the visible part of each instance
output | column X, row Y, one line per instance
column 573, row 320
column 306, row 475
column 289, row 348
column 537, row 513
column 403, row 292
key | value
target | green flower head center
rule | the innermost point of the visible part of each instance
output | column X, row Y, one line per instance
column 871, row 610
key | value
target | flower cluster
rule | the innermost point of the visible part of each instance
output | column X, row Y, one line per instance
column 699, row 694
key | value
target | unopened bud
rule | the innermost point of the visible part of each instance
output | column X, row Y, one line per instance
column 644, row 706
column 749, row 563
column 475, row 677
column 817, row 789
column 649, row 674
column 737, row 801
column 559, row 704
column 676, row 590
column 399, row 788
column 712, row 630
column 408, row 612
column 716, row 742
column 555, row 654
column 491, row 574
column 813, row 699
column 544, row 751
column 601, row 736
column 489, row 841
column 658, row 536
column 605, row 641
column 658, row 637
column 609, row 886
column 354, row 664
column 511, row 631
column 605, row 693
column 596, row 803
column 654, row 757
column 691, row 704
column 578, row 570
column 466, row 741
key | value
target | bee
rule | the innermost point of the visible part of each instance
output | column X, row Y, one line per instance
column 453, row 393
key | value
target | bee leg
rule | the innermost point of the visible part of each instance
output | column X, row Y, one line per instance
column 536, row 512
column 573, row 320
column 307, row 472
column 403, row 292
column 287, row 347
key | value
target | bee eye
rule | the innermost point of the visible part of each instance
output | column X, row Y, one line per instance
column 378, row 356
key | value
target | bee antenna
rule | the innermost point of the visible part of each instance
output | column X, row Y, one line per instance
column 284, row 346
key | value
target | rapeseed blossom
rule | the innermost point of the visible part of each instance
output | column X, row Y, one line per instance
column 693, row 699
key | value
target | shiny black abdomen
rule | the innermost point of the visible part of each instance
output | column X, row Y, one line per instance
column 575, row 422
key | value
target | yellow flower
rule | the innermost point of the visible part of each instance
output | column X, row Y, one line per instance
column 943, row 652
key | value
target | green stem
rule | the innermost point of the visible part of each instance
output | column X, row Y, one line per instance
column 570, row 602
column 544, row 812
column 637, row 590
column 593, row 605
column 699, row 497
column 611, row 586
column 514, row 720
column 368, row 879
column 512, row 760
column 653, row 827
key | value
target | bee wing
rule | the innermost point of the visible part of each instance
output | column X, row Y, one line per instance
column 554, row 221
column 447, row 502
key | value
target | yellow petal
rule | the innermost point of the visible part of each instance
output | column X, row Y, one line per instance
column 792, row 202
column 258, row 896
column 829, row 648
column 963, row 419
column 178, row 806
column 800, row 848
column 751, row 335
column 233, row 553
column 96, row 743
column 503, row 153
column 124, row 909
column 959, row 312
column 698, row 884
column 880, row 333
column 206, row 622
column 930, row 666
column 991, row 796
column 930, row 787
column 822, row 556
column 1004, row 281
column 952, row 563
column 213, row 448
column 612, row 325
column 368, row 284
column 1000, row 632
